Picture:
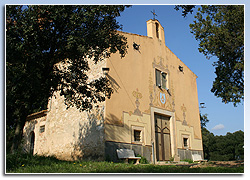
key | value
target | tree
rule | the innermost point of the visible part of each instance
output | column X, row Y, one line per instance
column 228, row 147
column 38, row 38
column 185, row 9
column 207, row 137
column 208, row 142
column 239, row 146
column 220, row 32
column 203, row 120
column 223, row 148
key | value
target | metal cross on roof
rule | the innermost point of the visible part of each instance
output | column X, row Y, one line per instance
column 153, row 12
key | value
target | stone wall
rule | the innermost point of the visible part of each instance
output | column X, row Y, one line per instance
column 110, row 150
column 32, row 126
column 89, row 144
column 187, row 154
column 68, row 133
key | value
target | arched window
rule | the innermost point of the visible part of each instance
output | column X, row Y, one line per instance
column 157, row 29
column 32, row 142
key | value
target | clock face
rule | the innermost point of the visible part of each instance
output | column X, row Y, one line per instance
column 162, row 98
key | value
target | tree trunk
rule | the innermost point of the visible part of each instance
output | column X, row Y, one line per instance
column 17, row 136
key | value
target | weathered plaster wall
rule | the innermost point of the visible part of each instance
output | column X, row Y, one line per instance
column 187, row 131
column 33, row 125
column 121, row 136
column 70, row 134
column 73, row 134
column 124, row 132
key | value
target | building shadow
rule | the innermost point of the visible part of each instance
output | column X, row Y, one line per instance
column 113, row 83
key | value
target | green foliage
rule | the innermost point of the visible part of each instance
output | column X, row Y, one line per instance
column 220, row 32
column 203, row 120
column 185, row 9
column 208, row 143
column 17, row 160
column 143, row 160
column 38, row 37
column 223, row 148
column 219, row 29
column 171, row 159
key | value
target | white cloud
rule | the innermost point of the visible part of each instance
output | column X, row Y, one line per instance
column 218, row 127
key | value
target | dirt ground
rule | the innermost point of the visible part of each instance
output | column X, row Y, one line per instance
column 219, row 164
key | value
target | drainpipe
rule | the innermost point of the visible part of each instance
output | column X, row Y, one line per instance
column 153, row 152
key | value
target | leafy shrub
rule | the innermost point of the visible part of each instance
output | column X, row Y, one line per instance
column 172, row 159
column 143, row 160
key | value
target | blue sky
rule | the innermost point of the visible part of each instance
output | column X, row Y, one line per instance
column 223, row 117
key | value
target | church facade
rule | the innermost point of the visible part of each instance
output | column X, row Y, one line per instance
column 154, row 109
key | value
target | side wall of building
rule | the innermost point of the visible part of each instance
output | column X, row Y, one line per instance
column 68, row 133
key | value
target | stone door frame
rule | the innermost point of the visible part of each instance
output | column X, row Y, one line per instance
column 163, row 112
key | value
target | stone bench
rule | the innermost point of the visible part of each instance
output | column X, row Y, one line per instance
column 197, row 157
column 127, row 154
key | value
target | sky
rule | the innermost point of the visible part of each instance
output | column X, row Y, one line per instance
column 223, row 117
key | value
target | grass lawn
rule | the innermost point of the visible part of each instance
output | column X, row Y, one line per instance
column 39, row 164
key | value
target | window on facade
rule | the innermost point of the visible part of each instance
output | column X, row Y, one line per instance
column 137, row 135
column 185, row 142
column 42, row 128
column 161, row 79
column 158, row 77
column 164, row 80
column 157, row 29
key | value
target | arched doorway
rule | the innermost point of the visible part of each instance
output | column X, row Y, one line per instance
column 32, row 142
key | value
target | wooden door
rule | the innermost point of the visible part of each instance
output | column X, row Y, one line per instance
column 162, row 137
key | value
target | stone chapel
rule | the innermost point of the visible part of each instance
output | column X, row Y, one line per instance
column 154, row 109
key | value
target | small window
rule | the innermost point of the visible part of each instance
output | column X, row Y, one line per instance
column 42, row 128
column 185, row 142
column 137, row 135
column 161, row 79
